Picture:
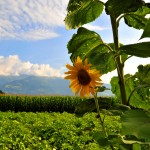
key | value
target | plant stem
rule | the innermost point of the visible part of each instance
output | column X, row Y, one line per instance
column 101, row 120
column 98, row 111
column 119, row 64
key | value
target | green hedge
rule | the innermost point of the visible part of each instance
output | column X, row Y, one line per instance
column 25, row 103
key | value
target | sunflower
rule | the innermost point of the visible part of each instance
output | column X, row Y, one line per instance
column 83, row 79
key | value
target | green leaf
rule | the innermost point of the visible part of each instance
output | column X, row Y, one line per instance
column 143, row 80
column 129, row 86
column 80, row 12
column 136, row 147
column 115, row 86
column 100, row 138
column 88, row 44
column 138, row 49
column 115, row 139
column 137, row 19
column 102, row 59
column 143, row 74
column 136, row 123
column 117, row 7
column 146, row 32
column 137, row 99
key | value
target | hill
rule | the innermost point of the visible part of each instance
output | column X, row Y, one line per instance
column 38, row 85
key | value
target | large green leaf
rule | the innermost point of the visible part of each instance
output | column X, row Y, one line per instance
column 146, row 32
column 129, row 85
column 88, row 44
column 137, row 19
column 80, row 12
column 137, row 99
column 136, row 123
column 117, row 7
column 138, row 49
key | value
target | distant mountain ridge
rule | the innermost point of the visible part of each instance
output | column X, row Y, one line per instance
column 38, row 85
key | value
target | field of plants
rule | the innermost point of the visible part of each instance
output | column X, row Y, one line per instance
column 51, row 122
column 51, row 131
column 35, row 122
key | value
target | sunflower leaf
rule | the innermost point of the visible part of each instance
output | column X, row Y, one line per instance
column 137, row 19
column 138, row 49
column 135, row 85
column 146, row 32
column 136, row 123
column 88, row 44
column 118, row 7
column 80, row 12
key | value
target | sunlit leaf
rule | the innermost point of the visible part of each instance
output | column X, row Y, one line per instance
column 88, row 44
column 146, row 32
column 137, row 19
column 80, row 12
column 117, row 7
column 136, row 123
column 138, row 49
column 115, row 86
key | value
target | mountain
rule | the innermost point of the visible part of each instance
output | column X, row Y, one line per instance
column 25, row 84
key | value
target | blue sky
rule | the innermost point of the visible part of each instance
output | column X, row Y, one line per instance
column 33, row 38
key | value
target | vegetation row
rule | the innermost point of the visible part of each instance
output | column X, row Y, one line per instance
column 70, row 104
column 20, row 103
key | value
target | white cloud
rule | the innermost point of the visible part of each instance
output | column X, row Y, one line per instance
column 31, row 18
column 12, row 65
column 94, row 27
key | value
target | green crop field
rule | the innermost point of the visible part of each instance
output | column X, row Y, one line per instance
column 52, row 131
column 65, row 123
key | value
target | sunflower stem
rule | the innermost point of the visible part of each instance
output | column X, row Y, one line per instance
column 119, row 63
column 100, row 118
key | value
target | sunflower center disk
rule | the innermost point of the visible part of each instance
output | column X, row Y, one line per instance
column 83, row 77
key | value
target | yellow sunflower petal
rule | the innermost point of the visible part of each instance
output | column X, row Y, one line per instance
column 82, row 92
column 75, row 88
column 87, row 91
column 71, row 72
column 70, row 67
column 73, row 82
column 87, row 65
column 92, row 91
column 70, row 77
column 78, row 90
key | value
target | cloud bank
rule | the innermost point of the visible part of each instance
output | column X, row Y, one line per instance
column 31, row 19
column 12, row 65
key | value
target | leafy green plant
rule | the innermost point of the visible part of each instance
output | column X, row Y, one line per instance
column 49, row 131
column 132, row 90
